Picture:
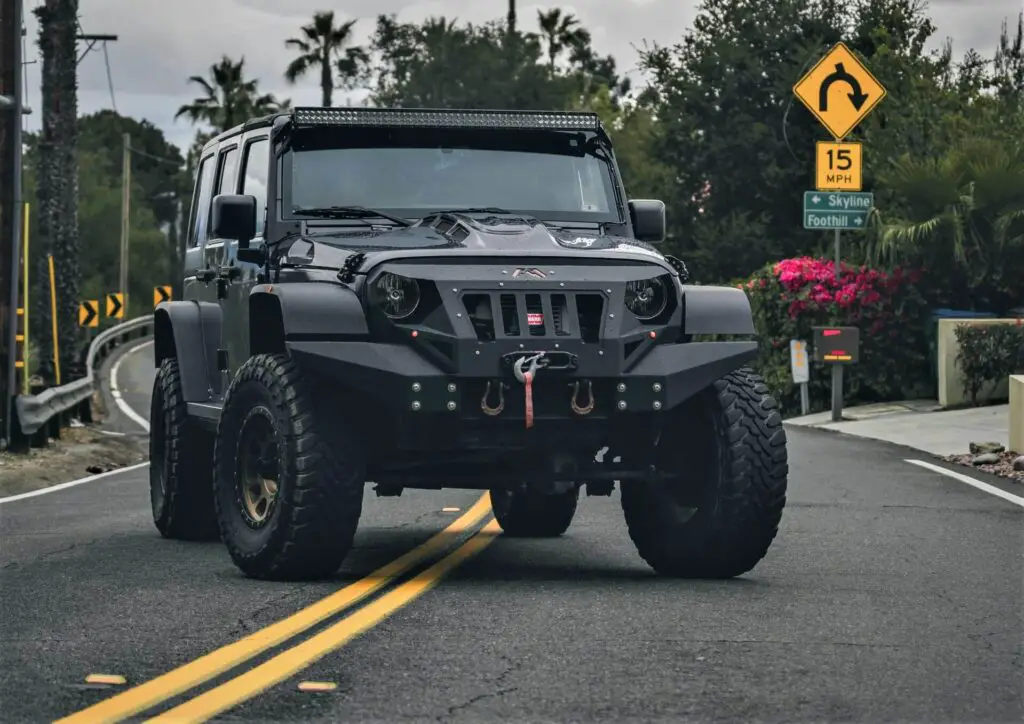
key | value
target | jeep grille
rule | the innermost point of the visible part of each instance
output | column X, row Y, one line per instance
column 540, row 314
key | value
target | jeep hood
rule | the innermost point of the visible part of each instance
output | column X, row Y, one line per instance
column 461, row 234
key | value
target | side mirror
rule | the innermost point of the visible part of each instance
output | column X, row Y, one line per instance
column 234, row 217
column 648, row 219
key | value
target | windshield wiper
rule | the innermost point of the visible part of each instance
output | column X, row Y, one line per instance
column 473, row 210
column 348, row 212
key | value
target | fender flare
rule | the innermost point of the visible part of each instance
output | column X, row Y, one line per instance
column 306, row 310
column 193, row 326
column 716, row 310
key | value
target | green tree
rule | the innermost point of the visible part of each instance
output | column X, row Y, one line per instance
column 561, row 32
column 228, row 97
column 964, row 221
column 325, row 48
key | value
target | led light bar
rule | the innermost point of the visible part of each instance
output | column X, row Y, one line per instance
column 430, row 118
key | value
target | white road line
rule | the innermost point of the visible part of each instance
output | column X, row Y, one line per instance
column 116, row 392
column 73, row 483
column 123, row 406
column 998, row 492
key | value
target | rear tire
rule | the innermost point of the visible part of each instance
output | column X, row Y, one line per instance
column 527, row 514
column 289, row 475
column 180, row 463
column 728, row 447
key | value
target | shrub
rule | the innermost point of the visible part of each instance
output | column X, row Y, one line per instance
column 790, row 297
column 988, row 353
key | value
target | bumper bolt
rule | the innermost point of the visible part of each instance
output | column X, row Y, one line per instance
column 657, row 405
column 416, row 406
column 621, row 387
column 451, row 387
column 621, row 405
column 656, row 387
column 416, row 387
column 451, row 405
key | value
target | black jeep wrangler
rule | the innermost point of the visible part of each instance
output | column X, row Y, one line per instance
column 449, row 299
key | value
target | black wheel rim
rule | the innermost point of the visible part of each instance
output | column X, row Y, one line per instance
column 257, row 483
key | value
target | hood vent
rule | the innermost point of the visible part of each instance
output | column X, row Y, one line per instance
column 450, row 228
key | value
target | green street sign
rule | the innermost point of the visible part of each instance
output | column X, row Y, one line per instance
column 837, row 210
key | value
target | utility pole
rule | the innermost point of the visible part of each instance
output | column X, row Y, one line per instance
column 11, row 111
column 126, row 199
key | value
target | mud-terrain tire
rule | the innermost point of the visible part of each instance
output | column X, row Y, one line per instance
column 528, row 514
column 732, row 439
column 307, row 526
column 180, row 463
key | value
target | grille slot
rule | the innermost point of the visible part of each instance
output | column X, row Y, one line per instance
column 535, row 314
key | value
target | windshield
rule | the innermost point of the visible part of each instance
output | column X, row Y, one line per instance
column 548, row 176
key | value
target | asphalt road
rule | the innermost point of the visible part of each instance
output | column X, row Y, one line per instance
column 892, row 593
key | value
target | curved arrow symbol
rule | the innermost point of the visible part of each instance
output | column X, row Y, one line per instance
column 858, row 98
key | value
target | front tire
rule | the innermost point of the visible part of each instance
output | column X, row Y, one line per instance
column 727, row 447
column 289, row 475
column 525, row 513
column 180, row 462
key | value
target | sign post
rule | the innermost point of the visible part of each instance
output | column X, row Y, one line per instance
column 837, row 346
column 801, row 371
column 840, row 92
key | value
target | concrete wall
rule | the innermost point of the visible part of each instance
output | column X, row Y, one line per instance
column 951, row 391
column 1017, row 413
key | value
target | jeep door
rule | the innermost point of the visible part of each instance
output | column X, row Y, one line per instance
column 234, row 300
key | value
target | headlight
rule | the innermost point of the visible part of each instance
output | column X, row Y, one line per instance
column 397, row 296
column 646, row 298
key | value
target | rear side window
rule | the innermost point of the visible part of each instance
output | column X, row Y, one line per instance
column 254, row 178
column 200, row 215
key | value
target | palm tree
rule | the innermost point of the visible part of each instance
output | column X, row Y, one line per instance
column 324, row 48
column 561, row 32
column 963, row 219
column 228, row 98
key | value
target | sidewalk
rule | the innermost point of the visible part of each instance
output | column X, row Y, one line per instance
column 920, row 424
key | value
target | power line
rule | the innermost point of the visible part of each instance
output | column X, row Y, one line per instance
column 162, row 159
column 110, row 80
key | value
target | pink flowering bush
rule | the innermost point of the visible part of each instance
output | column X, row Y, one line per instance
column 794, row 295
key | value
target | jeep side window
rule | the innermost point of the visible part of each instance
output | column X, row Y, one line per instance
column 254, row 180
column 201, row 202
column 228, row 165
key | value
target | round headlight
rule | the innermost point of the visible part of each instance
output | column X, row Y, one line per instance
column 646, row 298
column 397, row 296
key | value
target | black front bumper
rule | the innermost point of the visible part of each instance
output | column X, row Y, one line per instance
column 404, row 380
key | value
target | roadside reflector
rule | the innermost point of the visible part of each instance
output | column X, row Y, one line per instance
column 104, row 679
column 317, row 686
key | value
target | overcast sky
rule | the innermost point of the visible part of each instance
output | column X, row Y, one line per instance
column 161, row 42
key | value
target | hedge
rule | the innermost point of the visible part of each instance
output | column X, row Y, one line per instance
column 988, row 354
column 792, row 296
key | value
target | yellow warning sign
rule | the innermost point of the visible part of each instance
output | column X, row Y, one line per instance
column 839, row 166
column 840, row 91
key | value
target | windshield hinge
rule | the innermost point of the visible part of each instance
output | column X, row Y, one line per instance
column 348, row 270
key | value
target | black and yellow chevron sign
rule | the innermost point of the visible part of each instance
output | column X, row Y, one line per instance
column 89, row 313
column 161, row 294
column 115, row 305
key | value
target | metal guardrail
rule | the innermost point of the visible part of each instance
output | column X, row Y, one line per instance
column 35, row 411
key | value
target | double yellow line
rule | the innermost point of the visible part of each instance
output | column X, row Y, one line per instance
column 292, row 660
